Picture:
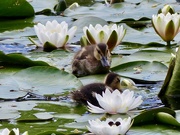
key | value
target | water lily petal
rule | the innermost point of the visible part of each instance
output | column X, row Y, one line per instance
column 95, row 109
column 111, row 35
column 5, row 131
column 109, row 126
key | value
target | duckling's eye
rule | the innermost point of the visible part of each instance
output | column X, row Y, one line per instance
column 98, row 51
column 117, row 80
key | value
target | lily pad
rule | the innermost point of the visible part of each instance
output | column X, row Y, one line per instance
column 13, row 9
column 42, row 5
column 143, row 55
column 142, row 70
column 19, row 59
column 41, row 80
column 119, row 11
column 166, row 118
column 149, row 116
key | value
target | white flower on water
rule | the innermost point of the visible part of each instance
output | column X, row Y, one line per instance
column 14, row 131
column 166, row 26
column 110, row 127
column 111, row 35
column 115, row 102
column 55, row 33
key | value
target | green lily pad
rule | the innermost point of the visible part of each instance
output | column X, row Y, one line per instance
column 39, row 5
column 13, row 9
column 143, row 55
column 144, row 37
column 149, row 116
column 118, row 11
column 59, row 58
column 142, row 70
column 166, row 118
column 41, row 80
column 19, row 59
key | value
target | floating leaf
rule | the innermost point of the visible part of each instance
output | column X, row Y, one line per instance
column 142, row 70
column 166, row 118
column 41, row 80
column 143, row 55
column 149, row 116
column 19, row 59
column 13, row 9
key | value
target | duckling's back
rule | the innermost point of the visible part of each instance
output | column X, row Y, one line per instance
column 84, row 62
column 87, row 93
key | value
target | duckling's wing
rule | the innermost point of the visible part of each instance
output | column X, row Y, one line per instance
column 89, row 91
column 85, row 52
column 78, row 97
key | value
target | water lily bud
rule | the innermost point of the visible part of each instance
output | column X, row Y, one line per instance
column 166, row 9
column 110, row 35
column 166, row 26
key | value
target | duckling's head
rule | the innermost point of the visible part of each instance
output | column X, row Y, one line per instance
column 113, row 81
column 102, row 53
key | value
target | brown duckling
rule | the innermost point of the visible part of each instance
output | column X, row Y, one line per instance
column 92, row 59
column 87, row 92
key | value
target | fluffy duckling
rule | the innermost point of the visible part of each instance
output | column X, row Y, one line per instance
column 92, row 59
column 87, row 92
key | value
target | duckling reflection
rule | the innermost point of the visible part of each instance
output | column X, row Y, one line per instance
column 87, row 92
column 92, row 59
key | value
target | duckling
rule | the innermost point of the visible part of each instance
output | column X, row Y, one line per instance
column 87, row 92
column 92, row 59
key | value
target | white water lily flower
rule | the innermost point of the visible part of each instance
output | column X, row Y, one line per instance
column 166, row 26
column 167, row 9
column 110, row 127
column 55, row 33
column 111, row 35
column 115, row 102
column 6, row 131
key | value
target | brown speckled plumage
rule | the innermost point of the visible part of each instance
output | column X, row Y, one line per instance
column 89, row 60
column 87, row 92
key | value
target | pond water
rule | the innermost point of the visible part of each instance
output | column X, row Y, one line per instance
column 35, row 94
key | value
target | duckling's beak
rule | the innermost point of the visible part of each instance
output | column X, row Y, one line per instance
column 105, row 62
